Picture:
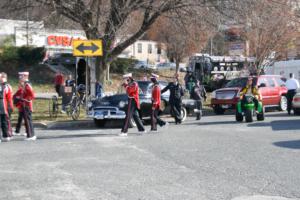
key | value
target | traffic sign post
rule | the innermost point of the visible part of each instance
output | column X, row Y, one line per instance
column 87, row 48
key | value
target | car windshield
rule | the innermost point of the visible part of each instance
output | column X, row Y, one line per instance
column 238, row 82
column 144, row 86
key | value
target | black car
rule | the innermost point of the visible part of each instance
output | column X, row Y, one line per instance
column 61, row 58
column 113, row 107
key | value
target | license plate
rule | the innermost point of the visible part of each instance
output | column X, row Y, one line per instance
column 225, row 106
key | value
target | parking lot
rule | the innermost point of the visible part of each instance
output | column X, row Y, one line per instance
column 215, row 158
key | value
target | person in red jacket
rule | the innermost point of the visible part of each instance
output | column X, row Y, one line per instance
column 25, row 104
column 156, row 101
column 132, row 90
column 5, row 107
column 18, row 104
column 10, row 105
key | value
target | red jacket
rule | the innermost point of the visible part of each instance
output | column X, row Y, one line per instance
column 24, row 97
column 59, row 79
column 132, row 90
column 156, row 97
column 7, row 99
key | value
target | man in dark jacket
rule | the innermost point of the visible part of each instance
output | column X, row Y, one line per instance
column 198, row 93
column 175, row 99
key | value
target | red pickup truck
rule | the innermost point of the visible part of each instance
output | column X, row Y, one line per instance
column 271, row 87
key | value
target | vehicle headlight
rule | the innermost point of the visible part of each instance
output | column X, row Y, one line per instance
column 90, row 104
column 213, row 95
column 122, row 104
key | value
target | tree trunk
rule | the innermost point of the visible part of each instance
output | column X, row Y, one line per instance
column 101, row 67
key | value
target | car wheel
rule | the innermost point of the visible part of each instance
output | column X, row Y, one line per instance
column 99, row 122
column 249, row 115
column 218, row 110
column 132, row 123
column 163, row 105
column 183, row 114
column 283, row 104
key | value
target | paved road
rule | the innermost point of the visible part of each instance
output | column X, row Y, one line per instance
column 213, row 159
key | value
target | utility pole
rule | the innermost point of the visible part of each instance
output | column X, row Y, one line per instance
column 27, row 24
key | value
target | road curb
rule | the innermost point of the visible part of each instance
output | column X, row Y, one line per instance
column 71, row 124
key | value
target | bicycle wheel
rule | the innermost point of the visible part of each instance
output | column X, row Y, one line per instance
column 75, row 108
column 53, row 107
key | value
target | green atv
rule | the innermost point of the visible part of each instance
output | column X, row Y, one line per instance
column 246, row 107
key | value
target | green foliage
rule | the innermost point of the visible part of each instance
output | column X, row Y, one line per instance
column 121, row 65
column 8, row 41
column 22, row 55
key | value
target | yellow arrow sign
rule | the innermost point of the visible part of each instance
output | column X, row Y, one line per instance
column 87, row 48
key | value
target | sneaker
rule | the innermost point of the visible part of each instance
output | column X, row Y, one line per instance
column 154, row 131
column 141, row 132
column 7, row 139
column 16, row 134
column 122, row 134
column 166, row 124
column 63, row 111
column 33, row 138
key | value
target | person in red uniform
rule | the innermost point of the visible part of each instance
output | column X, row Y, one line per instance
column 132, row 90
column 156, row 101
column 59, row 81
column 25, row 103
column 10, row 105
column 18, row 104
column 5, row 107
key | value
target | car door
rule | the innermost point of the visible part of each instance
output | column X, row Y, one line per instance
column 262, row 84
column 273, row 91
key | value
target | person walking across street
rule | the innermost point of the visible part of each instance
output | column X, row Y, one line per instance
column 156, row 101
column 5, row 106
column 26, row 98
column 198, row 93
column 10, row 105
column 18, row 104
column 132, row 90
column 292, row 85
column 175, row 99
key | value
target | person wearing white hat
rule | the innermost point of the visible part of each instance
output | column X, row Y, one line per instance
column 156, row 101
column 25, row 104
column 132, row 90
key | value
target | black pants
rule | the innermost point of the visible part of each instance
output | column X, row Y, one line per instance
column 155, row 119
column 176, row 110
column 199, row 108
column 290, row 95
column 27, row 116
column 5, row 125
column 58, row 89
column 132, row 111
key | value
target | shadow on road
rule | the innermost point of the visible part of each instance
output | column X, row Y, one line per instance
column 279, row 125
column 294, row 144
column 201, row 123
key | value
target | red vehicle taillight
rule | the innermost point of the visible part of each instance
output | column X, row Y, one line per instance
column 296, row 99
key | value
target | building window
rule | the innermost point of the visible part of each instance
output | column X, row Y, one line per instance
column 150, row 48
column 140, row 49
